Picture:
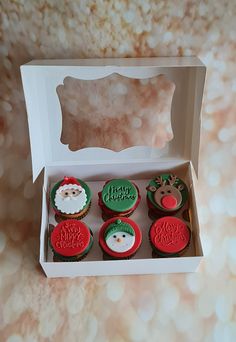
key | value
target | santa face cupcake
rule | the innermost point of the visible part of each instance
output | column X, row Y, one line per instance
column 119, row 238
column 169, row 237
column 119, row 197
column 71, row 198
column 166, row 195
column 71, row 240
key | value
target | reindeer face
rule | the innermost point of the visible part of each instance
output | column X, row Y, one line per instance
column 167, row 196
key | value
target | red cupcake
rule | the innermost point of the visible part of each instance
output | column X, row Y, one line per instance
column 169, row 237
column 119, row 238
column 71, row 240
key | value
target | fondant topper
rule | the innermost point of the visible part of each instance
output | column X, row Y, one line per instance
column 167, row 192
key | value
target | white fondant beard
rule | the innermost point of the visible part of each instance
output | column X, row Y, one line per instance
column 71, row 205
column 124, row 245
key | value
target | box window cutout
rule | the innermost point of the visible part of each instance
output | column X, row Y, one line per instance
column 116, row 112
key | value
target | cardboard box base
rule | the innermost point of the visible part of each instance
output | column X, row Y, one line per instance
column 142, row 263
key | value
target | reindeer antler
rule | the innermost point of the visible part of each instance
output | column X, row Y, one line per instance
column 160, row 181
column 172, row 179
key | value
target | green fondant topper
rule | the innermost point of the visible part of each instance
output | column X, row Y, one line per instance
column 167, row 184
column 119, row 195
column 83, row 184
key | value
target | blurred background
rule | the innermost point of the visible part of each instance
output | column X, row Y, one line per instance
column 192, row 307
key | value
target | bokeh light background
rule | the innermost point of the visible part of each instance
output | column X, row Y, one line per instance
column 192, row 307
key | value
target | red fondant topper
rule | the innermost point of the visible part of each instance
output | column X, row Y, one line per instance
column 70, row 238
column 169, row 234
column 131, row 251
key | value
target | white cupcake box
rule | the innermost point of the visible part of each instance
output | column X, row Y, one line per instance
column 95, row 165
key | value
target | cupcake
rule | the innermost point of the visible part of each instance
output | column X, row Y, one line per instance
column 71, row 240
column 119, row 238
column 71, row 198
column 119, row 197
column 166, row 195
column 169, row 237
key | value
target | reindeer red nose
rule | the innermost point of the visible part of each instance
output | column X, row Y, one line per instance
column 169, row 202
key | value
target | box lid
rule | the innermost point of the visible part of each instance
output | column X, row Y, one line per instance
column 41, row 79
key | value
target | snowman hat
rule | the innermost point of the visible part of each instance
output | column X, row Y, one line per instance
column 118, row 226
column 69, row 183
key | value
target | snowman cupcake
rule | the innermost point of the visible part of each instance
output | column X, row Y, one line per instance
column 119, row 197
column 166, row 195
column 71, row 198
column 119, row 238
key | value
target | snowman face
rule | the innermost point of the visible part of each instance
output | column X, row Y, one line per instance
column 120, row 242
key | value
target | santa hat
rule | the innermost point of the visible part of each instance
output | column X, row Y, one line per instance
column 118, row 226
column 69, row 183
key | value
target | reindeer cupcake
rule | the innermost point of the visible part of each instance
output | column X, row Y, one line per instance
column 166, row 195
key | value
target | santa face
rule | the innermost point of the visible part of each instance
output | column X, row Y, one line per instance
column 70, row 199
column 120, row 242
column 70, row 193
